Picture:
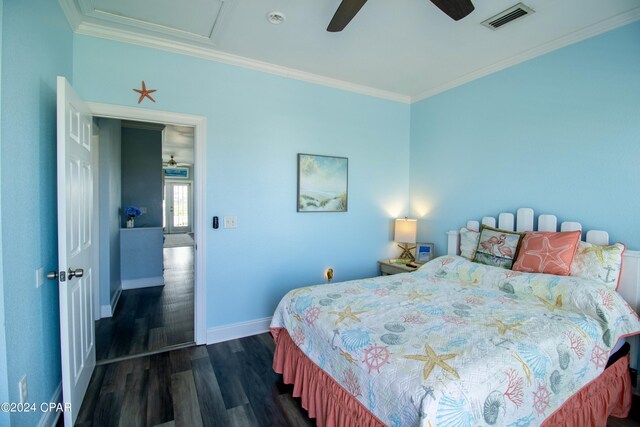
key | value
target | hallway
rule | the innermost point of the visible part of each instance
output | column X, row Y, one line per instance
column 154, row 318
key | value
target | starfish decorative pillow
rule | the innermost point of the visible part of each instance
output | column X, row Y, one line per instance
column 547, row 252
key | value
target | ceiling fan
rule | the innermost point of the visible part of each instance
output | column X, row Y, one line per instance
column 172, row 163
column 456, row 9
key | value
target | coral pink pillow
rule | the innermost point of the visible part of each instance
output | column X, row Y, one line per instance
column 547, row 252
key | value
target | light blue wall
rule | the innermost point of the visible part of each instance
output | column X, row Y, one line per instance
column 257, row 123
column 142, row 174
column 559, row 133
column 37, row 45
column 110, row 196
column 4, row 391
column 141, row 250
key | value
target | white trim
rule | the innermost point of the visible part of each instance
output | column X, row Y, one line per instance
column 199, row 188
column 50, row 418
column 237, row 330
column 576, row 36
column 71, row 12
column 107, row 310
column 175, row 46
column 146, row 282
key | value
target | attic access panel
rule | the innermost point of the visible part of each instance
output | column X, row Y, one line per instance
column 162, row 16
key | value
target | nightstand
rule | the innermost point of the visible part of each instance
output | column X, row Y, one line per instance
column 390, row 266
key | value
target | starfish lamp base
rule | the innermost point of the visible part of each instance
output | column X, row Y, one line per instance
column 406, row 251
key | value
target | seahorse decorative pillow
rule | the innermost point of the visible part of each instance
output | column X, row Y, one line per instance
column 600, row 263
column 468, row 242
column 497, row 247
column 547, row 252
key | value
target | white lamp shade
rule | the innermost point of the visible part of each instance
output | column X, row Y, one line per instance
column 405, row 231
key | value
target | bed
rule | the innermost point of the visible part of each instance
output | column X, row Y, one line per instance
column 458, row 343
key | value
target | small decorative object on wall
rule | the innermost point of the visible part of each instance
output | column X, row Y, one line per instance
column 176, row 172
column 322, row 183
column 145, row 93
column 132, row 212
column 424, row 252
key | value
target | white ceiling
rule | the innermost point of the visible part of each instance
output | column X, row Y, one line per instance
column 401, row 49
column 178, row 141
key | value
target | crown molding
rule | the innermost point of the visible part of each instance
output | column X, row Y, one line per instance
column 576, row 36
column 71, row 12
column 154, row 42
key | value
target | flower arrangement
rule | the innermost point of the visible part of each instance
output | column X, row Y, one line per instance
column 132, row 212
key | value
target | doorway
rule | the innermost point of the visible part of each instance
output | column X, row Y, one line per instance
column 198, row 124
column 147, row 285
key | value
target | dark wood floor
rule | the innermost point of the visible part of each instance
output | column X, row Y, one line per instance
column 152, row 318
column 225, row 384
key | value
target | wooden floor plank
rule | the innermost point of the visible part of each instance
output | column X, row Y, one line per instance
column 212, row 408
column 185, row 400
column 242, row 416
column 160, row 398
column 134, row 405
column 223, row 363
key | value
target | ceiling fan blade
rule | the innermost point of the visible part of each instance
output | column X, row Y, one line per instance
column 345, row 13
column 456, row 9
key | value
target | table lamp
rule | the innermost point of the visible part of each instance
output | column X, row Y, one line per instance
column 405, row 235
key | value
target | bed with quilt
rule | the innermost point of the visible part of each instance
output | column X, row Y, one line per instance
column 456, row 343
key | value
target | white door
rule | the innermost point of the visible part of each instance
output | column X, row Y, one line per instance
column 178, row 207
column 75, row 220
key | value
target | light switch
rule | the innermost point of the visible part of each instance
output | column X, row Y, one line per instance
column 230, row 221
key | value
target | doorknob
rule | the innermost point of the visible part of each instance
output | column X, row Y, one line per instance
column 78, row 272
column 52, row 275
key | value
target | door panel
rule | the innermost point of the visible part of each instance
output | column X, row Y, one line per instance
column 178, row 207
column 75, row 221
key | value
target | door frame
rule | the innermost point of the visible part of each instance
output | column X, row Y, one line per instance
column 199, row 123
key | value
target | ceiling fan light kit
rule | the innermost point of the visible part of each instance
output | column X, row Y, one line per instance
column 276, row 18
column 455, row 9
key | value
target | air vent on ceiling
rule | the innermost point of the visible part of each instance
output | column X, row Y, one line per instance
column 515, row 12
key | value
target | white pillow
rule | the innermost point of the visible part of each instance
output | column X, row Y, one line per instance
column 599, row 263
column 468, row 242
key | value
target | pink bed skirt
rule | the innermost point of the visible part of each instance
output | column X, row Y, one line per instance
column 332, row 406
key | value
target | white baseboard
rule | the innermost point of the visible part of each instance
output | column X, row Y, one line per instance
column 50, row 418
column 147, row 282
column 237, row 330
column 107, row 310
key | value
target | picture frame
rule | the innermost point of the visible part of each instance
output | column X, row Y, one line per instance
column 424, row 252
column 176, row 173
column 323, row 183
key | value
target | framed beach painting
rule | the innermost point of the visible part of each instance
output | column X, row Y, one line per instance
column 322, row 183
column 176, row 172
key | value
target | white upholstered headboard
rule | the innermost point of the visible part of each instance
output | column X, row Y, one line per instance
column 629, row 287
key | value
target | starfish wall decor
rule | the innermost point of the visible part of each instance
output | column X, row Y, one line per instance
column 145, row 93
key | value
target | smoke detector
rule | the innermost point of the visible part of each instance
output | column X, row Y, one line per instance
column 275, row 17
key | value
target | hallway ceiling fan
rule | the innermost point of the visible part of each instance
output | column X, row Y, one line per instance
column 172, row 163
column 455, row 9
